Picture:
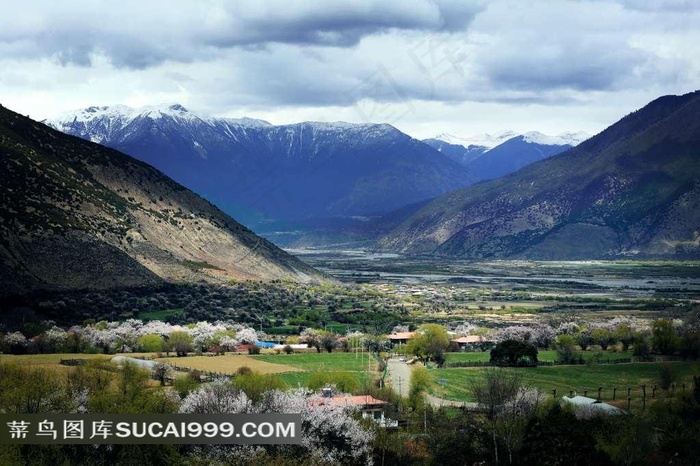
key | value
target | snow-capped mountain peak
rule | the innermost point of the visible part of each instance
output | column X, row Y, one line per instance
column 125, row 115
column 491, row 140
column 488, row 141
column 121, row 113
column 263, row 172
column 249, row 122
column 450, row 139
column 563, row 139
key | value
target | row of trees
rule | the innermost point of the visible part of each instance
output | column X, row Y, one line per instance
column 132, row 335
column 662, row 336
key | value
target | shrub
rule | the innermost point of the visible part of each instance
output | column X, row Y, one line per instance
column 343, row 381
column 514, row 353
column 255, row 385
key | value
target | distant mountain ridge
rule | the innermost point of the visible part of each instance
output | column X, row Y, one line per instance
column 632, row 190
column 261, row 172
column 489, row 141
column 490, row 156
column 77, row 215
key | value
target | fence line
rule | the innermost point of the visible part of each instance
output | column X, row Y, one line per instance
column 547, row 363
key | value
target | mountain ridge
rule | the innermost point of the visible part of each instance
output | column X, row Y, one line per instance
column 631, row 190
column 74, row 214
column 265, row 172
column 490, row 156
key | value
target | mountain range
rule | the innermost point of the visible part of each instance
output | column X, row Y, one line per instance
column 631, row 191
column 260, row 172
column 77, row 215
column 490, row 156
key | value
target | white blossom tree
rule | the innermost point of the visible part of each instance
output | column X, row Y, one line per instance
column 14, row 340
column 247, row 335
column 203, row 334
column 228, row 343
column 330, row 434
column 465, row 329
column 53, row 339
column 400, row 329
column 217, row 397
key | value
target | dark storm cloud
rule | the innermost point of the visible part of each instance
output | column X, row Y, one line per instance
column 344, row 24
column 143, row 34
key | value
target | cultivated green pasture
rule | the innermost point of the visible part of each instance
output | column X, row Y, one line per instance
column 340, row 364
column 566, row 378
column 295, row 379
column 549, row 355
column 322, row 362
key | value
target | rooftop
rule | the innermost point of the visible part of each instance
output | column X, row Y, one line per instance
column 350, row 400
column 590, row 406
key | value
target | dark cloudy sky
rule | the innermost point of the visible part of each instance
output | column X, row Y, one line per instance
column 427, row 67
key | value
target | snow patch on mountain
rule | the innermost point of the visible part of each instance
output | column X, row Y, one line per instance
column 491, row 140
column 574, row 138
column 563, row 139
column 245, row 121
column 123, row 115
column 481, row 140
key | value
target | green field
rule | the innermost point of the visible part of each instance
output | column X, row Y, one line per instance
column 295, row 379
column 292, row 369
column 322, row 362
column 567, row 378
column 352, row 364
column 549, row 355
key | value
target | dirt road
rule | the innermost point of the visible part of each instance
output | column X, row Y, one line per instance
column 400, row 374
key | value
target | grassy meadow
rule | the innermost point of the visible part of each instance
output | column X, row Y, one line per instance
column 293, row 369
column 322, row 362
column 578, row 378
column 548, row 355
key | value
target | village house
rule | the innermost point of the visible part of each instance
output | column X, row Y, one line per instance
column 474, row 342
column 400, row 338
column 370, row 407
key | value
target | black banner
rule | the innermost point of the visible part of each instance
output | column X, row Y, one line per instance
column 261, row 429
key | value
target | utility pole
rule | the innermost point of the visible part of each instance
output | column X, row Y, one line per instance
column 425, row 418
